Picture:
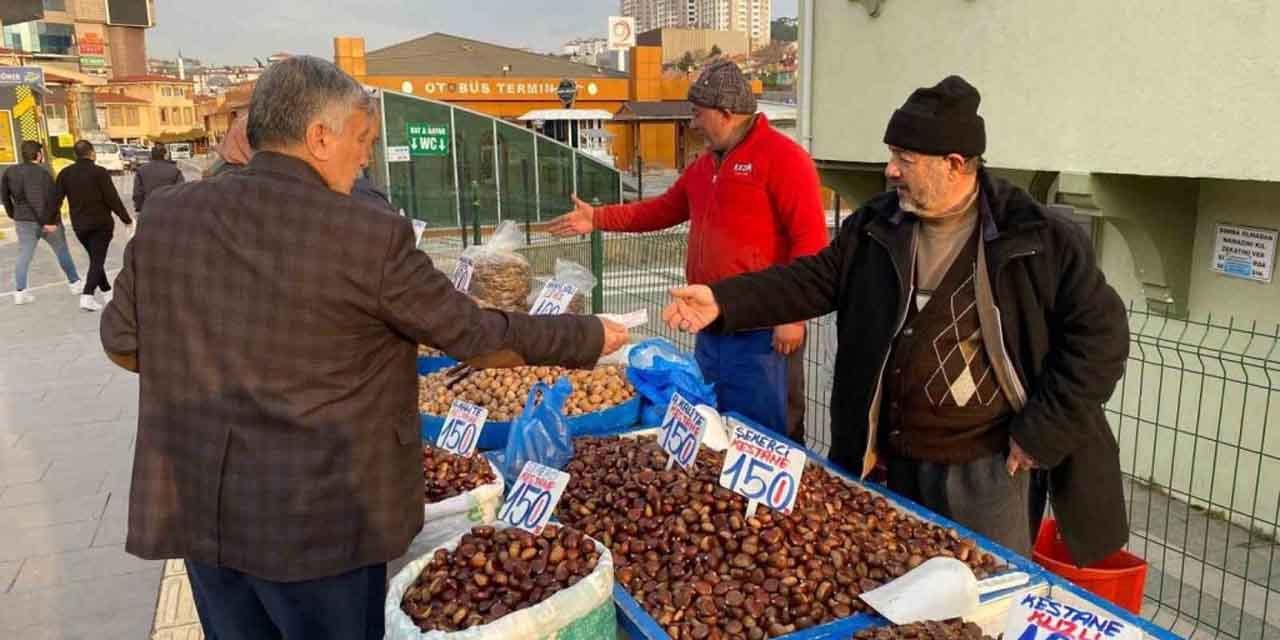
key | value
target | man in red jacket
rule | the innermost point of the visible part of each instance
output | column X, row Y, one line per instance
column 752, row 201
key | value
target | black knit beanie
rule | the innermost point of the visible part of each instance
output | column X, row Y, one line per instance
column 940, row 120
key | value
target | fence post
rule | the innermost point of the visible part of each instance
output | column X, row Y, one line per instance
column 475, row 211
column 597, row 266
column 524, row 180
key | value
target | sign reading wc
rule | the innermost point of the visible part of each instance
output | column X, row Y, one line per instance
column 428, row 139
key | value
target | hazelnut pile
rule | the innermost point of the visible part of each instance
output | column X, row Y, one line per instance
column 954, row 629
column 494, row 572
column 684, row 549
column 446, row 475
column 504, row 391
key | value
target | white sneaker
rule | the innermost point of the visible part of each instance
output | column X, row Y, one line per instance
column 23, row 297
column 87, row 303
column 76, row 287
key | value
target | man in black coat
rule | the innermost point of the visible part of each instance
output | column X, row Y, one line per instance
column 160, row 172
column 93, row 198
column 978, row 340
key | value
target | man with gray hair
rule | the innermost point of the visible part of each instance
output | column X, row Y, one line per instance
column 274, row 321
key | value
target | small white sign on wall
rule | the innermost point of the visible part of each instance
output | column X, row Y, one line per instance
column 1245, row 252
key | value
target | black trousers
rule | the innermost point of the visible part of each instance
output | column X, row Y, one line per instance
column 236, row 606
column 96, row 242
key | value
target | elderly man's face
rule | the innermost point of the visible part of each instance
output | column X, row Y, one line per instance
column 339, row 156
column 925, row 184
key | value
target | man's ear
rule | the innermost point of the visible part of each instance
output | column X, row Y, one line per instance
column 319, row 141
column 955, row 162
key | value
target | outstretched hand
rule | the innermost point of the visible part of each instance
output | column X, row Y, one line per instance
column 579, row 221
column 692, row 308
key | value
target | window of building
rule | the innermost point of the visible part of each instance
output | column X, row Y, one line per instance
column 188, row 116
column 164, row 115
column 55, row 111
column 55, row 5
column 176, row 116
column 116, row 116
column 56, row 38
column 131, row 116
column 166, row 91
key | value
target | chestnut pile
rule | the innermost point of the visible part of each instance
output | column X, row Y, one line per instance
column 447, row 475
column 686, row 552
column 954, row 629
column 494, row 572
column 504, row 391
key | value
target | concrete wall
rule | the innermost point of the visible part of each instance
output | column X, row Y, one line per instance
column 1143, row 86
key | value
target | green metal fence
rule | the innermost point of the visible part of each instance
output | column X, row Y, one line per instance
column 1195, row 417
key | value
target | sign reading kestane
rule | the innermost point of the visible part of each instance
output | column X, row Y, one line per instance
column 1245, row 252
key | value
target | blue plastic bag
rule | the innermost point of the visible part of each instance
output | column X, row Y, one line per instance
column 657, row 370
column 540, row 433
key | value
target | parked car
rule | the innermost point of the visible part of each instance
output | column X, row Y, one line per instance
column 135, row 155
column 109, row 156
column 180, row 151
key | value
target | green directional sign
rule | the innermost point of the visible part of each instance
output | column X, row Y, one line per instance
column 428, row 139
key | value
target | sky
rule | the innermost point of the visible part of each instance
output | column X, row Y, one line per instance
column 236, row 31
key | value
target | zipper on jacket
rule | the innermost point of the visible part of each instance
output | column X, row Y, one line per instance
column 909, row 287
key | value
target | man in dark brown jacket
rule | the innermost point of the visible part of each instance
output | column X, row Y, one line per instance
column 274, row 321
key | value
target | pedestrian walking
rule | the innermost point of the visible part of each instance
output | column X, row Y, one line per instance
column 93, row 197
column 26, row 191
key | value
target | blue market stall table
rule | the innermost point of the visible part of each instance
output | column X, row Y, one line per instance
column 690, row 559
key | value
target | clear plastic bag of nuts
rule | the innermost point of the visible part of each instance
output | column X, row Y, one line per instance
column 502, row 278
column 583, row 610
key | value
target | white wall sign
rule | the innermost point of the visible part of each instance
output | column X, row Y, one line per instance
column 1245, row 252
column 398, row 154
column 622, row 32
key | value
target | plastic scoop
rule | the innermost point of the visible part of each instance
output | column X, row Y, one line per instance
column 939, row 589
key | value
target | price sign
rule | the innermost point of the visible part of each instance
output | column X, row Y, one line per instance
column 554, row 299
column 462, row 428
column 533, row 498
column 1040, row 618
column 682, row 430
column 762, row 469
column 462, row 274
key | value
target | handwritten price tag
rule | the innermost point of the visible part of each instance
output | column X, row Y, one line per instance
column 533, row 498
column 419, row 227
column 682, row 430
column 554, row 299
column 462, row 274
column 762, row 469
column 1040, row 618
column 462, row 428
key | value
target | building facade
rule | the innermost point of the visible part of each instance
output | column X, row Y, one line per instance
column 750, row 17
column 82, row 36
column 149, row 109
